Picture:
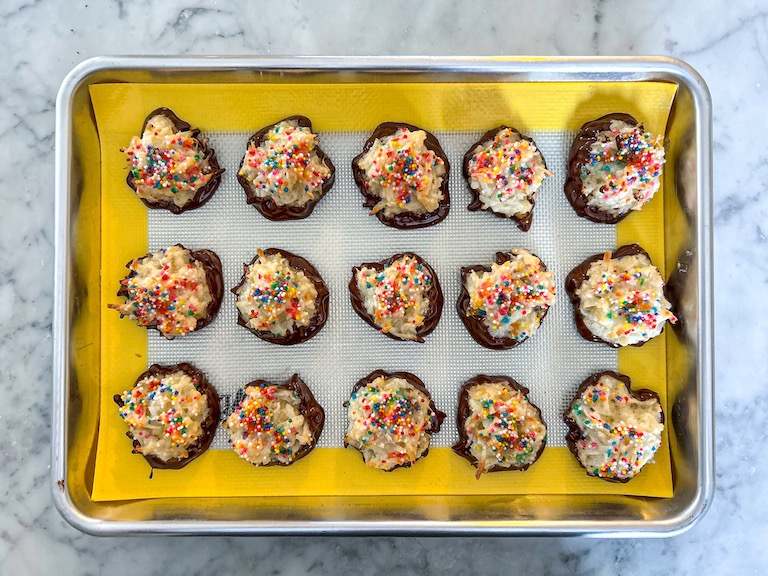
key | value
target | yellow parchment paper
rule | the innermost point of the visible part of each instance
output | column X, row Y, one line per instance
column 120, row 110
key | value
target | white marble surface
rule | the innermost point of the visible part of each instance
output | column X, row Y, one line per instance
column 727, row 41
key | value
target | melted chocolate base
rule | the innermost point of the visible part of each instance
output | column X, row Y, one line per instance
column 474, row 324
column 209, row 425
column 462, row 446
column 523, row 220
column 434, row 295
column 265, row 205
column 213, row 276
column 414, row 381
column 202, row 195
column 574, row 432
column 404, row 220
column 302, row 333
column 579, row 157
column 576, row 278
column 309, row 408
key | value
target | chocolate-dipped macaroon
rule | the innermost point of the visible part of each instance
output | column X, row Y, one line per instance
column 614, row 168
column 275, row 424
column 281, row 298
column 499, row 427
column 613, row 431
column 403, row 174
column 618, row 298
column 172, row 167
column 175, row 291
column 503, row 305
column 284, row 172
column 504, row 170
column 392, row 419
column 400, row 297
column 172, row 413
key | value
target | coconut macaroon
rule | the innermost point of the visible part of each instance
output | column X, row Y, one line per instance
column 403, row 174
column 176, row 290
column 284, row 172
column 505, row 170
column 281, row 297
column 504, row 304
column 619, row 298
column 614, row 168
column 171, row 167
column 275, row 424
column 613, row 431
column 391, row 419
column 172, row 413
column 401, row 297
column 499, row 427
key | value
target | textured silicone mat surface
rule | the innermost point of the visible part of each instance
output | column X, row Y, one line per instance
column 345, row 235
column 340, row 234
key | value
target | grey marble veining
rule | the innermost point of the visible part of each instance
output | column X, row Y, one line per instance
column 43, row 39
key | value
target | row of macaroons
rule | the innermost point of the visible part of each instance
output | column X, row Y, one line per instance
column 618, row 298
column 173, row 412
column 614, row 169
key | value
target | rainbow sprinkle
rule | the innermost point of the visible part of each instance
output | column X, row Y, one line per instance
column 399, row 167
column 172, row 299
column 509, row 432
column 392, row 417
column 627, row 451
column 397, row 288
column 632, row 301
column 173, row 424
column 167, row 163
column 275, row 296
column 255, row 419
column 511, row 292
column 629, row 162
column 512, row 166
column 285, row 161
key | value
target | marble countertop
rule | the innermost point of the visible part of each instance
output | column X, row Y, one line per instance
column 727, row 41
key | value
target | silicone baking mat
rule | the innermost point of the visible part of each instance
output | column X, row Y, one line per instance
column 340, row 235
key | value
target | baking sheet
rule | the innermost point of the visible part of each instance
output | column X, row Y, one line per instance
column 338, row 236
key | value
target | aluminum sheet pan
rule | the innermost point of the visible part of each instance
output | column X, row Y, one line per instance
column 688, row 250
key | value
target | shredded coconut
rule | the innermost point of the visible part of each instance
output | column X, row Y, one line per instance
column 276, row 297
column 390, row 423
column 619, row 433
column 165, row 414
column 404, row 173
column 169, row 290
column 396, row 297
column 285, row 166
column 622, row 300
column 512, row 298
column 167, row 165
column 624, row 169
column 503, row 429
column 507, row 172
column 267, row 426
